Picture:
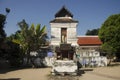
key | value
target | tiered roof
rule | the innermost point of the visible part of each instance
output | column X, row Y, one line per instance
column 63, row 12
column 63, row 16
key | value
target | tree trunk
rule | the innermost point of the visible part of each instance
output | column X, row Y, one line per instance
column 28, row 56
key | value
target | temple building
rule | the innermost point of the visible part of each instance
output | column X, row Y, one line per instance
column 63, row 34
column 89, row 42
column 66, row 44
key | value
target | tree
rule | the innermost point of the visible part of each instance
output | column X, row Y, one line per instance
column 109, row 34
column 7, row 11
column 92, row 32
column 30, row 38
column 14, row 52
column 2, row 32
column 2, row 23
column 110, row 51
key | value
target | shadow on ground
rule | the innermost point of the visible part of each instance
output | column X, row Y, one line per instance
column 114, row 64
column 9, row 69
column 5, row 67
column 83, row 70
column 11, row 79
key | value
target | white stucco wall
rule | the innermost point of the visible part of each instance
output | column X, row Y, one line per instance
column 56, row 33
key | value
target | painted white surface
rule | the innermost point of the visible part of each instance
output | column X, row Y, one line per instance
column 56, row 33
column 91, row 58
column 64, row 66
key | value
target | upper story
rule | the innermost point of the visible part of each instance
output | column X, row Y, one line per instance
column 63, row 28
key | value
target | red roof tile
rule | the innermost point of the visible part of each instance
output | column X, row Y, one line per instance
column 89, row 40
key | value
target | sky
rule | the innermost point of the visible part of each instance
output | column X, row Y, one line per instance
column 91, row 14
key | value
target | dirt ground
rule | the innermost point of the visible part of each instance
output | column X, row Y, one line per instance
column 100, row 73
